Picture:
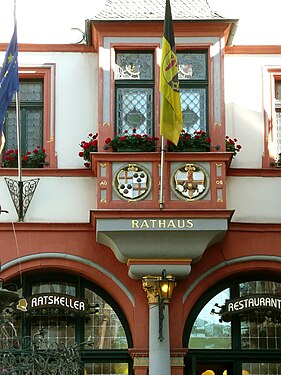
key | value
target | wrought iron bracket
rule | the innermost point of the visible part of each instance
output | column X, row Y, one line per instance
column 22, row 193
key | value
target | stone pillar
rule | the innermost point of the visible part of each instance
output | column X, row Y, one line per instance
column 159, row 350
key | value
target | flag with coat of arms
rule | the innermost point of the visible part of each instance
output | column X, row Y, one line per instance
column 9, row 80
column 171, row 113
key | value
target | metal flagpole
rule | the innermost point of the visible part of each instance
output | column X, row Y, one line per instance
column 161, row 199
column 20, row 183
column 21, row 191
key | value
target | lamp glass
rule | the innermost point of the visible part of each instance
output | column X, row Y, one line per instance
column 166, row 288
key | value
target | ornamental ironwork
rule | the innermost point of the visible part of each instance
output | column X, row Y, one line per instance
column 22, row 193
column 37, row 355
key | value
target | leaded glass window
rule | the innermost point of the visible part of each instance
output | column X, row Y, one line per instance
column 104, row 329
column 134, row 110
column 134, row 92
column 194, row 112
column 134, row 66
column 264, row 331
column 193, row 78
column 58, row 325
column 248, row 341
column 261, row 369
column 208, row 332
column 31, row 96
column 97, row 338
column 106, row 368
column 192, row 66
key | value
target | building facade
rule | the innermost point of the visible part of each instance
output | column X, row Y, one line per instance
column 87, row 247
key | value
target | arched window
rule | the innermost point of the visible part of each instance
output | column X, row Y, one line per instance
column 65, row 325
column 236, row 329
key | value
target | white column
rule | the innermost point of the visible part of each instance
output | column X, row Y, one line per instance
column 159, row 351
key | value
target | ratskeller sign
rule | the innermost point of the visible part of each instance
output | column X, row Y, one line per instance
column 51, row 300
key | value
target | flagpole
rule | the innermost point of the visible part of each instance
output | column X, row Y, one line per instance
column 161, row 199
column 18, row 136
column 170, row 113
column 20, row 183
column 18, row 121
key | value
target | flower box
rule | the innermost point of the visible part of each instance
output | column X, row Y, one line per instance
column 34, row 159
column 135, row 149
column 199, row 141
column 192, row 149
column 133, row 142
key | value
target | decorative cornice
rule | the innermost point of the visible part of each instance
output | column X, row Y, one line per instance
column 138, row 352
column 254, row 172
column 51, row 172
column 140, row 357
column 177, row 357
column 254, row 227
column 254, row 50
column 26, row 47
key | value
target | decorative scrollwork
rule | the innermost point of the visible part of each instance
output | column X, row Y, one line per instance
column 37, row 355
column 22, row 193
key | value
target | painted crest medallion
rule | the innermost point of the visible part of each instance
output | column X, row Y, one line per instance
column 132, row 182
column 191, row 182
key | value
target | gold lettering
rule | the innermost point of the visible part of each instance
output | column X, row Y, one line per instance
column 162, row 223
column 144, row 224
column 171, row 224
column 181, row 223
column 135, row 223
column 189, row 223
column 153, row 221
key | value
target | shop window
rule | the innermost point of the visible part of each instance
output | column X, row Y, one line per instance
column 236, row 329
column 134, row 92
column 96, row 339
column 193, row 80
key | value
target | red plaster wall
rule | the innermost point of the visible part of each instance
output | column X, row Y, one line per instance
column 79, row 240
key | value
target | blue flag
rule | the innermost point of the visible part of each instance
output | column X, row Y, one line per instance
column 9, row 78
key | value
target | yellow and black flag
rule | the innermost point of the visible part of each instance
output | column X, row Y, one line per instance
column 171, row 113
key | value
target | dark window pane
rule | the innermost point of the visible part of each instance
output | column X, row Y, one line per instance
column 31, row 117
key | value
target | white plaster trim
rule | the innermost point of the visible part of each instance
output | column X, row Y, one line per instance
column 224, row 264
column 74, row 258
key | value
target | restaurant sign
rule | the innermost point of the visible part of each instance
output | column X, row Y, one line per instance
column 265, row 301
column 253, row 307
column 52, row 300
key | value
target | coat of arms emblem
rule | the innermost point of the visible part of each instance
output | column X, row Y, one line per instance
column 132, row 182
column 191, row 182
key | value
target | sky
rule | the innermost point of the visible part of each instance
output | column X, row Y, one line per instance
column 48, row 21
column 51, row 21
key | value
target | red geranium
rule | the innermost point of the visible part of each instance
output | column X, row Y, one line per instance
column 88, row 147
column 131, row 140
